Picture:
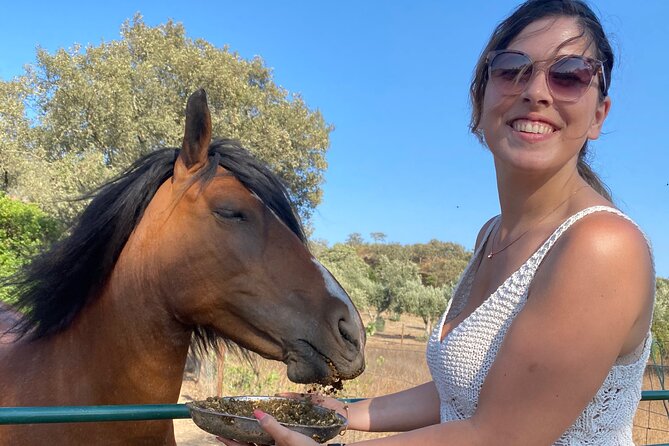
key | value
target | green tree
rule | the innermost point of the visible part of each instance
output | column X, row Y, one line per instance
column 355, row 239
column 24, row 230
column 14, row 133
column 441, row 263
column 660, row 326
column 428, row 303
column 378, row 237
column 352, row 273
column 395, row 279
column 96, row 109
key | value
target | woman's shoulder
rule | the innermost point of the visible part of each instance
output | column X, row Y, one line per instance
column 606, row 232
column 602, row 252
column 601, row 266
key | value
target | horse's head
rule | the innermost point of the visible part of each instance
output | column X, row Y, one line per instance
column 233, row 260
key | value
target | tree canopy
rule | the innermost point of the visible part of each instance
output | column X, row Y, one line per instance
column 81, row 115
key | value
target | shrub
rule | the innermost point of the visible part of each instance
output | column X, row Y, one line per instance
column 24, row 230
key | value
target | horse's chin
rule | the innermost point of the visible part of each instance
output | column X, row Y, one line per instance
column 307, row 373
column 319, row 369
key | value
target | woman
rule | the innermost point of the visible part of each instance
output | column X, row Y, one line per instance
column 547, row 335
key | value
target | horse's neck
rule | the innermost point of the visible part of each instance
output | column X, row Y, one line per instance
column 125, row 347
column 149, row 346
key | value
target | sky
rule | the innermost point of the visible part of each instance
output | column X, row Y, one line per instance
column 392, row 77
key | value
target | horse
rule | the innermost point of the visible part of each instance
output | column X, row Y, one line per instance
column 197, row 243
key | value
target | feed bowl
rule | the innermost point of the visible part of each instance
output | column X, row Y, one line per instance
column 232, row 417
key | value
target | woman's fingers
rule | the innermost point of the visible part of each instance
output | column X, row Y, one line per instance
column 282, row 435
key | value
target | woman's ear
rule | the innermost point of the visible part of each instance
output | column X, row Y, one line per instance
column 600, row 116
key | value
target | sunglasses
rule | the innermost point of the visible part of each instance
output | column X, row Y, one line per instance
column 568, row 77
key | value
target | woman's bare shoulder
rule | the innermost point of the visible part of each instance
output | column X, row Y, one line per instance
column 601, row 266
column 607, row 237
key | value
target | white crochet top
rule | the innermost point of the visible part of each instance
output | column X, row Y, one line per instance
column 459, row 364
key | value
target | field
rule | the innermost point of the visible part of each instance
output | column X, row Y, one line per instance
column 395, row 361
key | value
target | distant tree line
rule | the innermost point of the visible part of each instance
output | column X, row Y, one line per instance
column 386, row 280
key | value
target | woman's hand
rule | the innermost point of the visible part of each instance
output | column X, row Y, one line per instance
column 282, row 435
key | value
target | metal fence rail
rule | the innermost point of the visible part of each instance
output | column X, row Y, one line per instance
column 78, row 414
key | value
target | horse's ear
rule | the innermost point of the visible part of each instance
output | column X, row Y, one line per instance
column 197, row 135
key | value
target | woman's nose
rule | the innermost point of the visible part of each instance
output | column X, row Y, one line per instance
column 537, row 90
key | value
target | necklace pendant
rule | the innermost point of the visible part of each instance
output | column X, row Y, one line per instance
column 490, row 255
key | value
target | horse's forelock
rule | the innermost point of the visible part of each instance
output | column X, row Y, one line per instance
column 257, row 178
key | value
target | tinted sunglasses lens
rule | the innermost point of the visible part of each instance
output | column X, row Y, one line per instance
column 510, row 72
column 570, row 77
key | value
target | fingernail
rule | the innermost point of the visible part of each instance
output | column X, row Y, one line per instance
column 259, row 414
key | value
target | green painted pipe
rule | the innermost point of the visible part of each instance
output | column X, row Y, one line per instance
column 654, row 395
column 139, row 412
column 79, row 414
column 72, row 414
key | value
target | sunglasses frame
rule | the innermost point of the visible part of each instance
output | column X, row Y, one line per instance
column 597, row 65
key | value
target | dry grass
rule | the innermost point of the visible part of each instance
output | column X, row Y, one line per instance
column 396, row 361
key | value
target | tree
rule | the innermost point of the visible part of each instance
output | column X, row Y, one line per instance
column 14, row 131
column 395, row 279
column 441, row 263
column 24, row 230
column 660, row 326
column 378, row 237
column 95, row 109
column 428, row 303
column 352, row 272
column 354, row 239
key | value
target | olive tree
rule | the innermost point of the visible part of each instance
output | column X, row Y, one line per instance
column 93, row 110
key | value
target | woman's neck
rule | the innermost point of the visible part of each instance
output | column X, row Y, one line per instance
column 526, row 201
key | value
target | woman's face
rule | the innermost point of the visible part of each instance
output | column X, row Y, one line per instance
column 559, row 128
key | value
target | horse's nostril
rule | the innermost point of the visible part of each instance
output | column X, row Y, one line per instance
column 346, row 333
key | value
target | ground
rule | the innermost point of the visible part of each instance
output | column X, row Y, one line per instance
column 186, row 432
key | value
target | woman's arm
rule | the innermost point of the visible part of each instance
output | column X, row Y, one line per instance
column 398, row 412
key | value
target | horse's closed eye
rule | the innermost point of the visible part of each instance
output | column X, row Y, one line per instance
column 229, row 214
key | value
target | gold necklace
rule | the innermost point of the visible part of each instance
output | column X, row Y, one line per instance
column 492, row 245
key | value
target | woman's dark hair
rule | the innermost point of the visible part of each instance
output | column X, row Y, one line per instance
column 509, row 29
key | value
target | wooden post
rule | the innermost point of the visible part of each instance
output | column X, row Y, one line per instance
column 220, row 364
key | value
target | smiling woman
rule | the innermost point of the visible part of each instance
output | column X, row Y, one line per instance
column 547, row 334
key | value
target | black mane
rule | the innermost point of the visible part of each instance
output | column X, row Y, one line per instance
column 52, row 289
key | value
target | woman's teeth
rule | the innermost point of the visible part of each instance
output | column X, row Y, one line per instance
column 522, row 125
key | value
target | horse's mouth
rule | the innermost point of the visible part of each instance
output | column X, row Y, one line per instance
column 318, row 367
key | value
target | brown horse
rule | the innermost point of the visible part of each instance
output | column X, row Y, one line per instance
column 199, row 242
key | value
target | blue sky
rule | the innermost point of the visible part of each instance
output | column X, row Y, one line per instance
column 392, row 77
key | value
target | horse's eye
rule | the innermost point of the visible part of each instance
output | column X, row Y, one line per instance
column 229, row 214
